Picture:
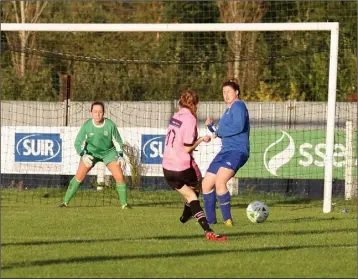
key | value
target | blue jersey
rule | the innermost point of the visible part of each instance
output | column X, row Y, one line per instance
column 234, row 128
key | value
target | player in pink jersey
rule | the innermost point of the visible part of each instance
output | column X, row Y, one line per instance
column 179, row 167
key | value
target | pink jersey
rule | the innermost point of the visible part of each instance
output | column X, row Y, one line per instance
column 182, row 130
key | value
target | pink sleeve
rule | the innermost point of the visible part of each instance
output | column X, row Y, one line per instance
column 189, row 131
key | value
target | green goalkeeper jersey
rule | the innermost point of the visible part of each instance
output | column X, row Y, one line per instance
column 98, row 140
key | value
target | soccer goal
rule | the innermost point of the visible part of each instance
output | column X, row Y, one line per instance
column 293, row 142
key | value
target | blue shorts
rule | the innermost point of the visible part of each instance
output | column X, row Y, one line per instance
column 232, row 159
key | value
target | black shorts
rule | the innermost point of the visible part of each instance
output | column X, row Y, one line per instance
column 177, row 179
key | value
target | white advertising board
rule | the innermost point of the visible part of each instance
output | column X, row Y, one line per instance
column 50, row 150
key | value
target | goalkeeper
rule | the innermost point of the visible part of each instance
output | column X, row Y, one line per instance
column 99, row 141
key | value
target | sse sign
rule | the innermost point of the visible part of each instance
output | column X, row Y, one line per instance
column 293, row 154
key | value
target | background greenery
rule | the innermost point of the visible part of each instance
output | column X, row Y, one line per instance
column 156, row 66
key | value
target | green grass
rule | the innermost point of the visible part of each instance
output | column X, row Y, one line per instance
column 107, row 242
column 108, row 197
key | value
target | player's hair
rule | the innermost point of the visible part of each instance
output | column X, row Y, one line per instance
column 233, row 83
column 97, row 103
column 189, row 99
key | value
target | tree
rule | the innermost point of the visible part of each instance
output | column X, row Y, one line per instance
column 243, row 66
column 300, row 60
column 22, row 12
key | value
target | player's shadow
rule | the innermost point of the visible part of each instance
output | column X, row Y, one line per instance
column 311, row 219
column 175, row 237
column 167, row 255
column 295, row 232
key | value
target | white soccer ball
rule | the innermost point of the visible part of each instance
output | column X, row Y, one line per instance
column 257, row 212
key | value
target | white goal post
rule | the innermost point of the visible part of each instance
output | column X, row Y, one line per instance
column 333, row 27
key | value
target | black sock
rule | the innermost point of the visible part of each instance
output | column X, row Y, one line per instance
column 199, row 215
column 186, row 213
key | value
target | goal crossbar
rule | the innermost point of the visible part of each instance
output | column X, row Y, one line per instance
column 333, row 27
column 170, row 27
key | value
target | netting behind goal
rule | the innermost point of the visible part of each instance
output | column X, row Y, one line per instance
column 49, row 83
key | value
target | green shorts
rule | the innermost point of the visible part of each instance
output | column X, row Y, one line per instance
column 111, row 156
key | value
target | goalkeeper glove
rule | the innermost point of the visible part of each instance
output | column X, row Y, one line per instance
column 120, row 160
column 87, row 160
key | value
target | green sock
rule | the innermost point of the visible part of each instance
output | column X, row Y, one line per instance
column 71, row 190
column 121, row 189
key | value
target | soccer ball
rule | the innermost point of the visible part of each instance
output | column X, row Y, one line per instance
column 257, row 212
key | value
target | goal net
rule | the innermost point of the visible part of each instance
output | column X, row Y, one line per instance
column 301, row 140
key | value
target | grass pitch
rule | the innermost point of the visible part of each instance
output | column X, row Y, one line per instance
column 44, row 241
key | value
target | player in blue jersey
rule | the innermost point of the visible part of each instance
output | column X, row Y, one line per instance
column 234, row 131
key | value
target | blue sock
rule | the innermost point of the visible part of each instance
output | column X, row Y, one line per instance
column 224, row 202
column 210, row 206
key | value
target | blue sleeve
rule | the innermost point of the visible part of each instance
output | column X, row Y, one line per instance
column 236, row 123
